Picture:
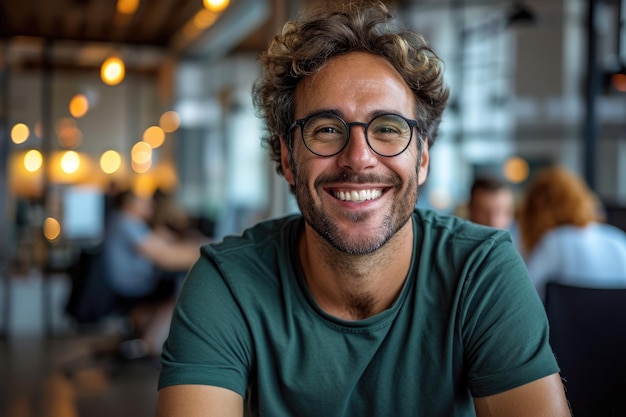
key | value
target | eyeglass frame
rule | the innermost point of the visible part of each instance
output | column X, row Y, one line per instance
column 413, row 124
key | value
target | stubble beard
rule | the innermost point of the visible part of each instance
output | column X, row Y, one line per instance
column 369, row 241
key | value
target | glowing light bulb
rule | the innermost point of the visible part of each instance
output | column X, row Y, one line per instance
column 110, row 162
column 112, row 71
column 154, row 136
column 79, row 106
column 169, row 121
column 216, row 5
column 51, row 228
column 19, row 133
column 516, row 169
column 70, row 162
column 33, row 160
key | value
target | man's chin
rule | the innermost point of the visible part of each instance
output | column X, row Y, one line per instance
column 357, row 243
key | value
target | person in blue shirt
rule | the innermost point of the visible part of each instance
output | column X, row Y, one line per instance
column 145, row 269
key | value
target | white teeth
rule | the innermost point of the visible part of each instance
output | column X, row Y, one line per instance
column 362, row 195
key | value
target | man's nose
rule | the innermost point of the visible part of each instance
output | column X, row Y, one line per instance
column 357, row 155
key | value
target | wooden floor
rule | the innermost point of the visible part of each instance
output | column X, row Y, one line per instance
column 60, row 377
column 55, row 374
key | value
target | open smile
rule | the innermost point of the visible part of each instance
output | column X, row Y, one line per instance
column 358, row 196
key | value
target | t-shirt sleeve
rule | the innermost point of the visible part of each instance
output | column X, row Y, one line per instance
column 209, row 341
column 505, row 328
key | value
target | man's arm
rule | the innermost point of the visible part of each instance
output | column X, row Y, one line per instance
column 544, row 397
column 198, row 401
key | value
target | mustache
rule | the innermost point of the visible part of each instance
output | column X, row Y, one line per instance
column 345, row 176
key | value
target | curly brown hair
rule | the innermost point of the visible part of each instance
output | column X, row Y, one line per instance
column 306, row 44
column 554, row 197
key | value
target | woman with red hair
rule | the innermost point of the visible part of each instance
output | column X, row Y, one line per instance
column 562, row 236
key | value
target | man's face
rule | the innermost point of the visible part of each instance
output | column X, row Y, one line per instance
column 383, row 190
column 492, row 208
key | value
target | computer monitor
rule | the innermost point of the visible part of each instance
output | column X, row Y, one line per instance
column 83, row 213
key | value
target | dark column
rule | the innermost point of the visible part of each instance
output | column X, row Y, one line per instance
column 46, row 150
column 4, row 190
column 592, row 90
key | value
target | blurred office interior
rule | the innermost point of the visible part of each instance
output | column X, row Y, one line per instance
column 533, row 82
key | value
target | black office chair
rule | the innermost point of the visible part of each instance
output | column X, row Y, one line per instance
column 588, row 336
column 90, row 303
column 91, row 298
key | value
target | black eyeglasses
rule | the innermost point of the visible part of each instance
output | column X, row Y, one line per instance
column 326, row 134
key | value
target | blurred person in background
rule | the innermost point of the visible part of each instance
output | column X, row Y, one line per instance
column 563, row 236
column 145, row 268
column 170, row 218
column 491, row 203
column 360, row 305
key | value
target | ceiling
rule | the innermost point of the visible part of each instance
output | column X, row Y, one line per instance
column 81, row 33
column 154, row 23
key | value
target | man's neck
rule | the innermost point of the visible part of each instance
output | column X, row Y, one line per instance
column 354, row 287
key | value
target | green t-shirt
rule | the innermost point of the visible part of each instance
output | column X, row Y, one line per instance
column 468, row 322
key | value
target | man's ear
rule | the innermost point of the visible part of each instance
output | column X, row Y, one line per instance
column 423, row 171
column 284, row 162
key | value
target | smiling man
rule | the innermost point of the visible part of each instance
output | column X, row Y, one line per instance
column 361, row 305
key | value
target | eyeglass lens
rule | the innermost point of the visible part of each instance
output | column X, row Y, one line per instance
column 326, row 134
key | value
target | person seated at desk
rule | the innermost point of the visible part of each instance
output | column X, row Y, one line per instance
column 562, row 237
column 145, row 268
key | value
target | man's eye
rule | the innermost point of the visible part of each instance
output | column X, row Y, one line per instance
column 327, row 129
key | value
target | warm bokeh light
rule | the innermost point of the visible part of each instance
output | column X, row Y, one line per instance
column 79, row 105
column 26, row 174
column 110, row 162
column 21, row 181
column 141, row 157
column 71, row 167
column 204, row 18
column 141, row 167
column 51, row 228
column 112, row 71
column 19, row 133
column 619, row 82
column 33, row 160
column 127, row 6
column 141, row 153
column 70, row 162
column 154, row 136
column 215, row 5
column 516, row 169
column 169, row 121
column 190, row 31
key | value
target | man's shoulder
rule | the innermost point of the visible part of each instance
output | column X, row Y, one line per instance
column 267, row 233
column 439, row 224
column 251, row 263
